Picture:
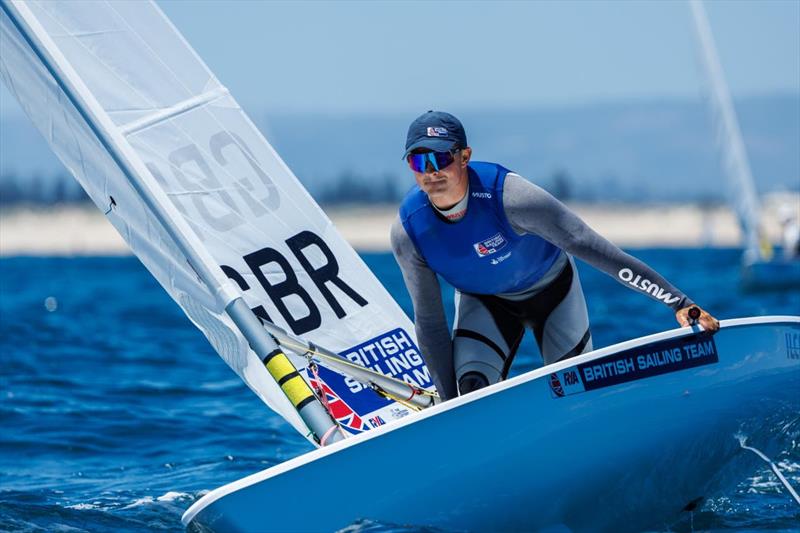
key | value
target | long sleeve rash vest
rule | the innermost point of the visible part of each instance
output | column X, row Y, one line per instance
column 530, row 210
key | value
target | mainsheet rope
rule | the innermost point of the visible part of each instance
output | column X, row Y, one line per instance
column 785, row 482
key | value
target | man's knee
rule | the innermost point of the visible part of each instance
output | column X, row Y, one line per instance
column 471, row 381
column 584, row 345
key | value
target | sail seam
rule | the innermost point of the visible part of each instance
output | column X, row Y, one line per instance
column 170, row 112
column 80, row 34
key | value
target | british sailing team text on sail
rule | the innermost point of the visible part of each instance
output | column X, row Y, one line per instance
column 392, row 354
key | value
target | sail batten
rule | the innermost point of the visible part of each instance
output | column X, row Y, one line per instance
column 166, row 114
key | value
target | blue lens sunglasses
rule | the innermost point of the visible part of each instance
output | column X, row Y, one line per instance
column 438, row 160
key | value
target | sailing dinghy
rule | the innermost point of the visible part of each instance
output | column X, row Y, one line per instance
column 221, row 222
column 625, row 438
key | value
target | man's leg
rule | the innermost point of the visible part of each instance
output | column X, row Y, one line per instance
column 564, row 332
column 484, row 342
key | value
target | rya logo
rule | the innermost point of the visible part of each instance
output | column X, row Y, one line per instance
column 437, row 131
column 485, row 195
column 627, row 276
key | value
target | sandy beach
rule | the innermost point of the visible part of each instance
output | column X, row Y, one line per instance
column 70, row 230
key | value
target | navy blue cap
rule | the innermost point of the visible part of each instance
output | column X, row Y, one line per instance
column 437, row 131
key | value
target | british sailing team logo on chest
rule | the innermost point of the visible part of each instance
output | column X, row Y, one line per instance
column 491, row 245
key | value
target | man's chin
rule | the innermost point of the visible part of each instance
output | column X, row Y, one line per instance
column 436, row 198
column 437, row 193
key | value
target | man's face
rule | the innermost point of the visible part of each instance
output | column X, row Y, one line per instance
column 446, row 186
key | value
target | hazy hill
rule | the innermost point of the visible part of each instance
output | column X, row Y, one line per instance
column 628, row 151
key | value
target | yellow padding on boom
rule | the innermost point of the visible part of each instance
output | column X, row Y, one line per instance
column 280, row 366
column 297, row 390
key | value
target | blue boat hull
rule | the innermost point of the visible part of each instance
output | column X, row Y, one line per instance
column 771, row 275
column 543, row 450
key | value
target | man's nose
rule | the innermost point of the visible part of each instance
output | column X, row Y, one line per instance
column 430, row 169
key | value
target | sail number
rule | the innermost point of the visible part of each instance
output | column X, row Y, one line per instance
column 207, row 194
column 324, row 277
column 219, row 203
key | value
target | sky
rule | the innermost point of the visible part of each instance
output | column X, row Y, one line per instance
column 385, row 57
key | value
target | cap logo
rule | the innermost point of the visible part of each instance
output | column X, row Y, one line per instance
column 437, row 131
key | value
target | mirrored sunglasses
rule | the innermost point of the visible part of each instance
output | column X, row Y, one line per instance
column 438, row 160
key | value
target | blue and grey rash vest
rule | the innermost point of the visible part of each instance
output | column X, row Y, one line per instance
column 483, row 255
column 529, row 210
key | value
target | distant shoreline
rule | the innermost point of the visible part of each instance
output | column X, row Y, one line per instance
column 83, row 230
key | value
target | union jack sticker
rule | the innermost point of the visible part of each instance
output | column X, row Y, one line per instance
column 342, row 412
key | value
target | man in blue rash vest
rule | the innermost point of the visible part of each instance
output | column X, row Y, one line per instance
column 507, row 247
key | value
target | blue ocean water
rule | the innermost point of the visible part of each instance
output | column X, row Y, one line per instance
column 116, row 414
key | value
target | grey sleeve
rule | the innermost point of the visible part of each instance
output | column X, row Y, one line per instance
column 531, row 209
column 433, row 335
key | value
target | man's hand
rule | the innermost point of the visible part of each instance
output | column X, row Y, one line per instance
column 685, row 318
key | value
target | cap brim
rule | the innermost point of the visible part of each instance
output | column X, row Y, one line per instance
column 437, row 145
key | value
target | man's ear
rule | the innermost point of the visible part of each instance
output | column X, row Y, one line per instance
column 466, row 154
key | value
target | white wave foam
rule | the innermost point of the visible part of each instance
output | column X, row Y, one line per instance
column 171, row 496
column 83, row 506
column 141, row 501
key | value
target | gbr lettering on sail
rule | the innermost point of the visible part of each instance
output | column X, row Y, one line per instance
column 235, row 207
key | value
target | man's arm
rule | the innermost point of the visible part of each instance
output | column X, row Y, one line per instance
column 433, row 335
column 531, row 209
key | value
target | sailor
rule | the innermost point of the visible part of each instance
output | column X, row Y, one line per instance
column 790, row 232
column 507, row 247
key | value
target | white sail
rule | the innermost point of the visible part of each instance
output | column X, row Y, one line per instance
column 254, row 228
column 729, row 138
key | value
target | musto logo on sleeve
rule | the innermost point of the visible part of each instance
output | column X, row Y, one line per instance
column 644, row 284
column 634, row 364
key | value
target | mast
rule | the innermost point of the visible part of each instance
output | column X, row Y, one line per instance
column 323, row 427
column 729, row 139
